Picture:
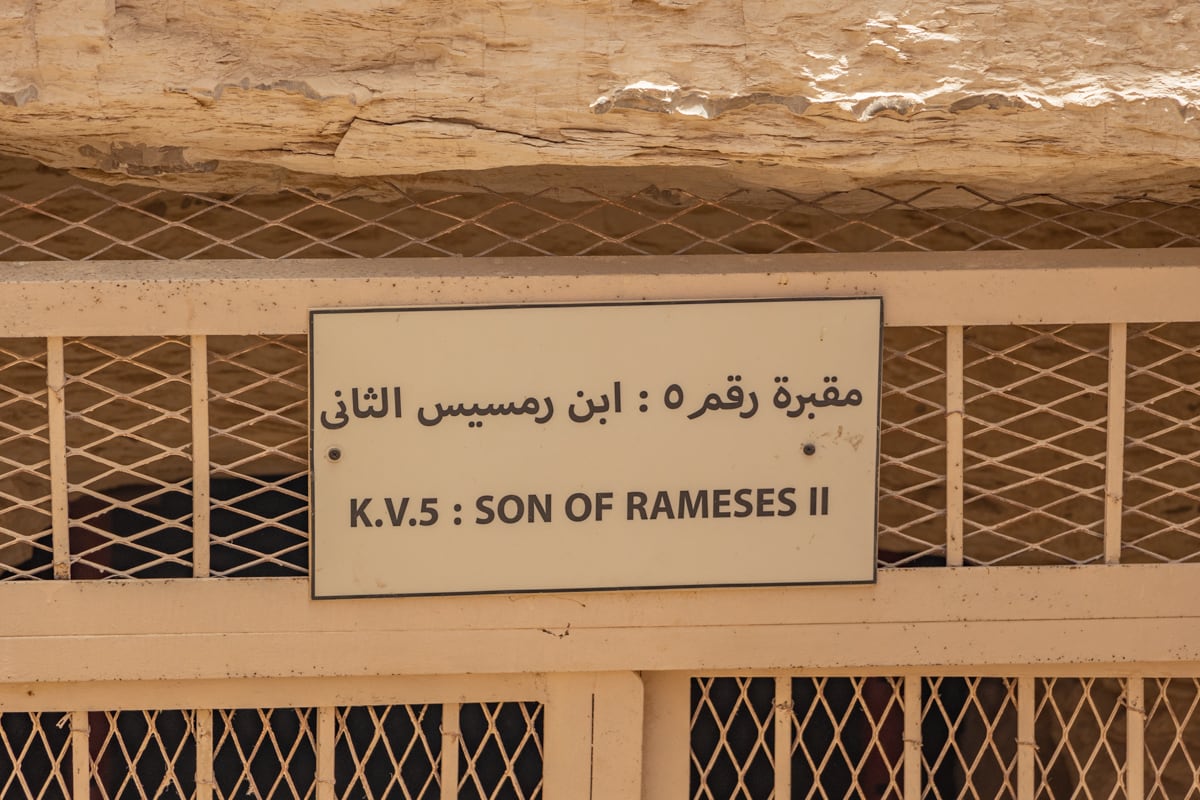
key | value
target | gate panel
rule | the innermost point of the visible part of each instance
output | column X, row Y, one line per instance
column 1072, row 677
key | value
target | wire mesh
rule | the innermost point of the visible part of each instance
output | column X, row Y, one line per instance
column 1034, row 481
column 1035, row 443
column 848, row 738
column 969, row 743
column 733, row 738
column 263, row 753
column 47, row 215
column 128, row 431
column 35, row 756
column 388, row 752
column 1080, row 739
column 142, row 755
column 26, row 550
column 396, row 751
column 912, row 469
column 1162, row 427
column 1027, row 502
column 1172, row 739
column 502, row 751
column 258, row 441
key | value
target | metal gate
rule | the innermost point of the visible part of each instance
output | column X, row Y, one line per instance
column 1033, row 633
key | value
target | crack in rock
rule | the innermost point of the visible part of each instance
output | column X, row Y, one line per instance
column 457, row 122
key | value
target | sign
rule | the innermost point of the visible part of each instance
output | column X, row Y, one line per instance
column 600, row 446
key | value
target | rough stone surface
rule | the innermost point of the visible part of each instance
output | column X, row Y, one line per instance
column 1069, row 96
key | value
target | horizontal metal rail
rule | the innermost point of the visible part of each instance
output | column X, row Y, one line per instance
column 236, row 297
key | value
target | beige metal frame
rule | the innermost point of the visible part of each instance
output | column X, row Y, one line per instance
column 612, row 668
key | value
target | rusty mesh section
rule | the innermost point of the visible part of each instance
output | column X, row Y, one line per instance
column 501, row 752
column 1172, row 739
column 1162, row 428
column 265, row 753
column 62, row 218
column 388, row 751
column 1035, row 444
column 26, row 550
column 847, row 738
column 142, row 754
column 128, row 439
column 733, row 738
column 1080, row 738
column 912, row 446
column 258, row 451
column 35, row 755
column 398, row 751
column 968, row 733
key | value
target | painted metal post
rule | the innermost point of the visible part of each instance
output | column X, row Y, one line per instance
column 955, row 410
column 451, row 745
column 1114, row 462
column 200, row 482
column 61, row 530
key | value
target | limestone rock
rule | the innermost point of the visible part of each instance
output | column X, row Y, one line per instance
column 1067, row 96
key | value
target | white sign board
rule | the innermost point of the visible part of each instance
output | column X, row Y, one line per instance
column 603, row 446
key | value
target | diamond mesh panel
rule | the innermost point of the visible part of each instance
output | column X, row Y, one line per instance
column 267, row 754
column 388, row 752
column 969, row 743
column 1012, row 517
column 1162, row 481
column 912, row 469
column 128, row 456
column 501, row 753
column 1080, row 738
column 1034, row 440
column 138, row 755
column 848, row 738
column 733, row 738
column 26, row 550
column 1173, row 739
column 35, row 761
column 50, row 215
column 258, row 416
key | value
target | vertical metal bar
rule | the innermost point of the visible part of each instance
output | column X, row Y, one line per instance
column 667, row 750
column 912, row 737
column 1135, row 737
column 618, row 724
column 570, row 731
column 955, row 409
column 326, row 731
column 783, row 736
column 55, row 407
column 204, row 754
column 1026, row 742
column 451, row 737
column 81, row 756
column 200, row 485
column 1114, row 462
